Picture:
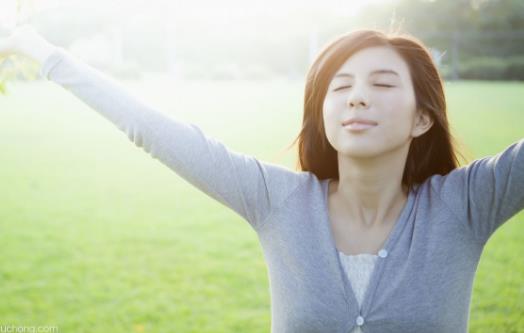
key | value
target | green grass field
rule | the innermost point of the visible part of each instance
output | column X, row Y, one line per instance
column 97, row 236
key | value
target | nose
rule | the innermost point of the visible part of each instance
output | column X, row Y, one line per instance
column 357, row 98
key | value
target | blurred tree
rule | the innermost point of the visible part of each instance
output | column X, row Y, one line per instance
column 465, row 29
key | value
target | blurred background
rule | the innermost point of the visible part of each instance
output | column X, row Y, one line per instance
column 98, row 237
column 233, row 39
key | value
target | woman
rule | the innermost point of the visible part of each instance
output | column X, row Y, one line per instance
column 379, row 231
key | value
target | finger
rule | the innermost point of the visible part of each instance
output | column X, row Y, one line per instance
column 5, row 41
column 5, row 31
column 4, row 49
column 8, row 15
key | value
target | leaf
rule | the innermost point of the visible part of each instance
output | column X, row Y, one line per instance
column 3, row 90
column 17, row 68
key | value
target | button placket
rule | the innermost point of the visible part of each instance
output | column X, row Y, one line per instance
column 383, row 253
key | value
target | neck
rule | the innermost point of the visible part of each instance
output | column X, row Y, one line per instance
column 370, row 189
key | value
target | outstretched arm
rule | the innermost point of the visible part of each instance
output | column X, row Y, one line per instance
column 487, row 192
column 250, row 187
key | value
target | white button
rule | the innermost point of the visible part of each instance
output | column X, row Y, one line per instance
column 382, row 253
column 360, row 321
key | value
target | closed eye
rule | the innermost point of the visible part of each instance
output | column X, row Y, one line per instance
column 384, row 85
column 378, row 85
column 341, row 88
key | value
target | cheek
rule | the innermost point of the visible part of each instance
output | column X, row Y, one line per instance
column 329, row 114
column 397, row 123
column 328, row 107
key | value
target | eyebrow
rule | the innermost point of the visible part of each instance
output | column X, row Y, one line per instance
column 378, row 71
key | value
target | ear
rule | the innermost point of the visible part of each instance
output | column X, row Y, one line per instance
column 423, row 123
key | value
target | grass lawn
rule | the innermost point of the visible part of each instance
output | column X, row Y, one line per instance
column 97, row 236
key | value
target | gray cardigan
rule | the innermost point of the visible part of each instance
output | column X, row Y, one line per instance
column 424, row 274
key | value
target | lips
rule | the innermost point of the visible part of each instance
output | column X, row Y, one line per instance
column 359, row 121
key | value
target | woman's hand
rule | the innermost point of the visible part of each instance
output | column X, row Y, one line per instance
column 6, row 42
column 24, row 40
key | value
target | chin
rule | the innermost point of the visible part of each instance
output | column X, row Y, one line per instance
column 367, row 147
column 360, row 151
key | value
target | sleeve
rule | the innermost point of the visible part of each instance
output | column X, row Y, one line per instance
column 251, row 188
column 487, row 192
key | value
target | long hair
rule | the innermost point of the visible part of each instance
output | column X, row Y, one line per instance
column 429, row 154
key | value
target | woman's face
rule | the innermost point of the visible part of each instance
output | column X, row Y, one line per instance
column 373, row 84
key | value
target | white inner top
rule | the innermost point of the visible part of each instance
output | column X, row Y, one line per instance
column 358, row 268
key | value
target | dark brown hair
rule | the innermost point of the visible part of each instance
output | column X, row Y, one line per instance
column 429, row 154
